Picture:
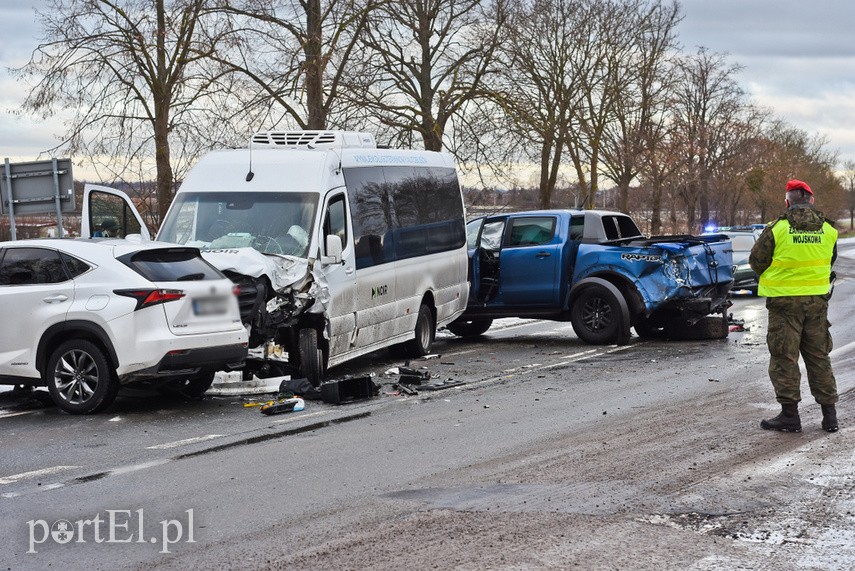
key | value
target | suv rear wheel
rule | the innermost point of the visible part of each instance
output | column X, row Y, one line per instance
column 80, row 379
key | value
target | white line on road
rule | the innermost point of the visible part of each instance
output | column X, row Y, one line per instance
column 4, row 414
column 184, row 442
column 302, row 416
column 136, row 467
column 35, row 473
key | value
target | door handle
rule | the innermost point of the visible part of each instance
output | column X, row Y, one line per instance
column 56, row 298
column 542, row 255
column 348, row 271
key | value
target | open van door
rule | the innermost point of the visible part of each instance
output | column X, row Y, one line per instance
column 108, row 212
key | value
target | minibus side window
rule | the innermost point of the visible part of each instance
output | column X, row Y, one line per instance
column 335, row 220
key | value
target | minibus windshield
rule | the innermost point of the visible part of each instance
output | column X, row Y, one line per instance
column 270, row 222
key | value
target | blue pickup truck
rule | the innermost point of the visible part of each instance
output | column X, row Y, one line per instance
column 595, row 269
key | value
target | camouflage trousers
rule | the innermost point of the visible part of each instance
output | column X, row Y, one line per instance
column 799, row 325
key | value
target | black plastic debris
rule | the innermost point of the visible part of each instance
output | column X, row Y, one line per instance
column 412, row 377
column 300, row 387
column 348, row 389
column 405, row 390
column 447, row 384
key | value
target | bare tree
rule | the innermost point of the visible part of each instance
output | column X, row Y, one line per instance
column 292, row 55
column 782, row 152
column 422, row 61
column 638, row 110
column 711, row 116
column 539, row 89
column 131, row 74
column 848, row 182
column 605, row 66
column 660, row 162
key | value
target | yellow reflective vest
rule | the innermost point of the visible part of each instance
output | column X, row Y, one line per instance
column 801, row 263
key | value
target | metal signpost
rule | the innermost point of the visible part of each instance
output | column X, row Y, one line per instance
column 38, row 187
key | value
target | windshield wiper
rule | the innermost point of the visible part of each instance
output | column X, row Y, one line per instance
column 191, row 277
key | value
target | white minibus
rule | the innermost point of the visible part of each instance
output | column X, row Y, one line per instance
column 339, row 248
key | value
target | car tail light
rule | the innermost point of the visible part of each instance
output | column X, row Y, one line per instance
column 236, row 290
column 149, row 297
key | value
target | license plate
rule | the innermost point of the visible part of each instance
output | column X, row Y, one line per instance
column 210, row 306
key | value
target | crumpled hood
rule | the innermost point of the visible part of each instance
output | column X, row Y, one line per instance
column 282, row 271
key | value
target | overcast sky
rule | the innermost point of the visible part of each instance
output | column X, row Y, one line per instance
column 798, row 58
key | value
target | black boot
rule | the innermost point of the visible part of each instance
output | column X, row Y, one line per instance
column 787, row 421
column 829, row 418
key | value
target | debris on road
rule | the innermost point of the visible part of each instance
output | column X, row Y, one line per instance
column 411, row 376
column 288, row 405
column 233, row 384
column 405, row 390
column 348, row 389
column 446, row 384
column 299, row 387
column 735, row 325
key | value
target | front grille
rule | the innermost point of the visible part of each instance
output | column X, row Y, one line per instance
column 251, row 296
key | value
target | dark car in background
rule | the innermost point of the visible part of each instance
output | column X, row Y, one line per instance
column 744, row 278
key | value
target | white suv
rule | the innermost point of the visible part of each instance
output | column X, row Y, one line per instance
column 86, row 316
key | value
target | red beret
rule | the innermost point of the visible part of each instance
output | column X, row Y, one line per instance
column 798, row 184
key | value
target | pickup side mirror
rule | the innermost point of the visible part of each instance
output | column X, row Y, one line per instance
column 333, row 250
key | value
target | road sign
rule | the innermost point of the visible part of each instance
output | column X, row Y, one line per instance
column 36, row 187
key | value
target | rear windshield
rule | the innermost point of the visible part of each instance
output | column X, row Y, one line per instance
column 617, row 227
column 742, row 243
column 171, row 265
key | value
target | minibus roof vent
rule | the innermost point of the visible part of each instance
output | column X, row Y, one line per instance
column 313, row 139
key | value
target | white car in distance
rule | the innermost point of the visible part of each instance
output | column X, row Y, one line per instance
column 84, row 317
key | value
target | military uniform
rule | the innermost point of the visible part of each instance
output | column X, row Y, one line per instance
column 797, row 300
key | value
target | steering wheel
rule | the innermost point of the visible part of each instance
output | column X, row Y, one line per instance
column 220, row 227
column 268, row 244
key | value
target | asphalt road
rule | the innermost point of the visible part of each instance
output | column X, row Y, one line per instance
column 549, row 454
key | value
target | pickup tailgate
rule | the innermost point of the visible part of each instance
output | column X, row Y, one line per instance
column 665, row 268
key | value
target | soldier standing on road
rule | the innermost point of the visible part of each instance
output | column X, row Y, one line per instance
column 793, row 257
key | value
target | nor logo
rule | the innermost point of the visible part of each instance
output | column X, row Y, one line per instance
column 379, row 291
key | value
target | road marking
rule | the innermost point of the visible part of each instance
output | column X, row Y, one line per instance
column 136, row 467
column 301, row 416
column 458, row 353
column 515, row 369
column 35, row 473
column 184, row 442
column 525, row 371
column 574, row 357
column 19, row 413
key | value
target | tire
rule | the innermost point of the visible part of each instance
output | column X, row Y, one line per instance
column 193, row 387
column 80, row 379
column 648, row 329
column 597, row 317
column 425, row 333
column 469, row 327
column 311, row 357
column 709, row 327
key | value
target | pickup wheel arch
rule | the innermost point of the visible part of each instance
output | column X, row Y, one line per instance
column 611, row 321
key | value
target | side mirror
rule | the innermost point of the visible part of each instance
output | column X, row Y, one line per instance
column 333, row 250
